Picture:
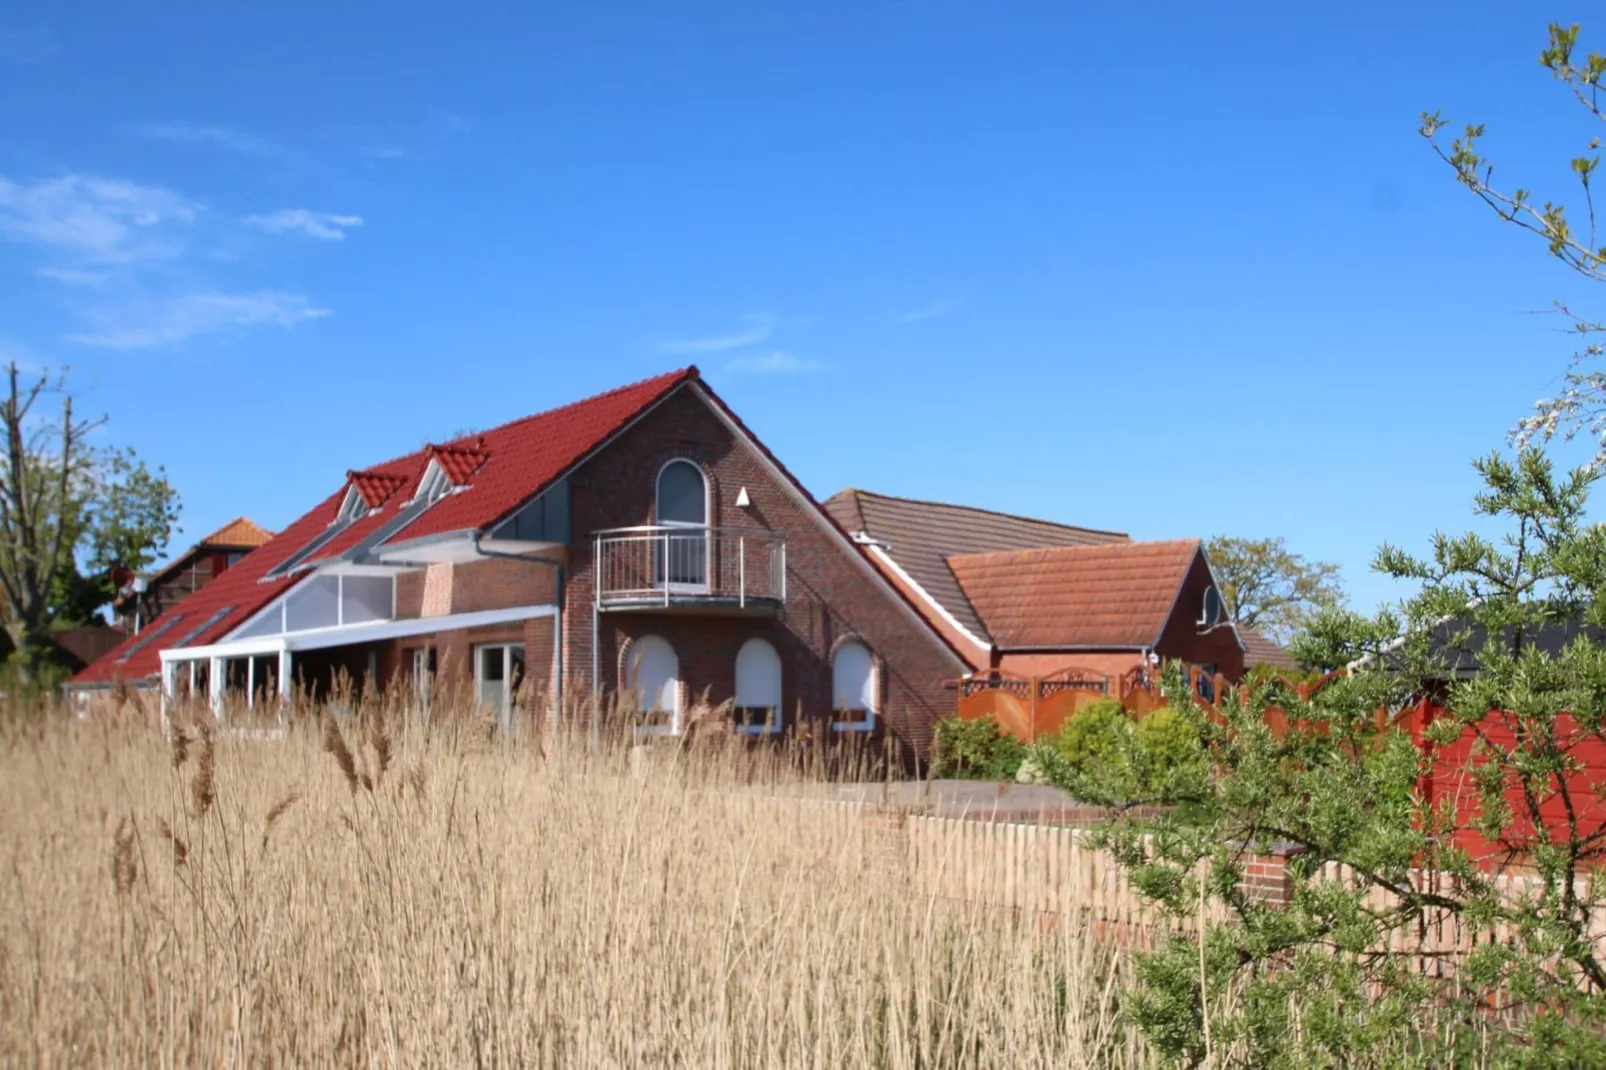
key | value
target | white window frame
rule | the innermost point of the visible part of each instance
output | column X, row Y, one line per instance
column 774, row 724
column 434, row 485
column 631, row 656
column 423, row 679
column 867, row 722
column 353, row 507
column 505, row 714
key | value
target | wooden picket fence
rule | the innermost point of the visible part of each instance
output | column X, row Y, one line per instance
column 1051, row 875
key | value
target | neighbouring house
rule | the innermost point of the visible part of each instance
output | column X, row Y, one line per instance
column 640, row 542
column 1047, row 615
column 142, row 598
column 1259, row 650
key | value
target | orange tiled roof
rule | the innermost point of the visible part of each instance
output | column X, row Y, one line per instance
column 1118, row 595
column 241, row 531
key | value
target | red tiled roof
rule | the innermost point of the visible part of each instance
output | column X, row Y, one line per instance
column 921, row 537
column 1118, row 595
column 375, row 486
column 460, row 462
column 521, row 459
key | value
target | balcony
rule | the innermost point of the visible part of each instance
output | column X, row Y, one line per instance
column 691, row 570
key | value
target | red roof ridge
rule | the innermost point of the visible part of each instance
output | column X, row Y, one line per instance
column 974, row 509
column 670, row 378
column 1041, row 552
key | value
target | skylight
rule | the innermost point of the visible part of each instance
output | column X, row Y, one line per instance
column 203, row 626
column 148, row 635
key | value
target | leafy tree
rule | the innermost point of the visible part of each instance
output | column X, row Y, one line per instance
column 1268, row 587
column 1505, row 636
column 1581, row 404
column 69, row 510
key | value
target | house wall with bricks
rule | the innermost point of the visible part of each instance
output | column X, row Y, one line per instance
column 832, row 594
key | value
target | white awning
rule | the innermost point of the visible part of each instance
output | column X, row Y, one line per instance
column 375, row 632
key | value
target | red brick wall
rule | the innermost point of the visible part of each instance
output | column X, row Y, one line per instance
column 829, row 596
column 494, row 583
column 498, row 583
column 1182, row 638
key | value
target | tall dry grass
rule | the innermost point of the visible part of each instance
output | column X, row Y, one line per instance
column 364, row 892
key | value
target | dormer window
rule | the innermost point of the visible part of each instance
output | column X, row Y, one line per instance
column 435, row 485
column 353, row 507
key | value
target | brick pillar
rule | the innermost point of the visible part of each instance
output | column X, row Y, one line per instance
column 1266, row 875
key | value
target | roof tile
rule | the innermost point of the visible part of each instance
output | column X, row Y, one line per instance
column 921, row 536
column 1117, row 595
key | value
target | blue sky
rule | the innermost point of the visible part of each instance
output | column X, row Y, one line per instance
column 1182, row 272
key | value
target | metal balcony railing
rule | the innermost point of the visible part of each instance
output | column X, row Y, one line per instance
column 685, row 566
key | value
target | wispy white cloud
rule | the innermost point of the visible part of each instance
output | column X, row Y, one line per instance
column 100, row 219
column 323, row 225
column 931, row 311
column 218, row 137
column 187, row 316
column 74, row 276
column 762, row 326
column 776, row 362
column 32, row 46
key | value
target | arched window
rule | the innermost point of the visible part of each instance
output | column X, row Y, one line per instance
column 682, row 495
column 682, row 502
column 653, row 677
column 853, row 687
column 758, row 688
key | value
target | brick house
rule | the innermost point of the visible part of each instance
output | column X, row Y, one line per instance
column 1032, row 597
column 639, row 542
column 141, row 599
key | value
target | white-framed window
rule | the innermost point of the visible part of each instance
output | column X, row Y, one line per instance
column 498, row 672
column 424, row 670
column 653, row 677
column 681, row 501
column 435, row 485
column 758, row 688
column 853, row 687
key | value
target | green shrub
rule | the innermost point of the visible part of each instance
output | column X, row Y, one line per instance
column 975, row 750
column 1106, row 756
column 1166, row 750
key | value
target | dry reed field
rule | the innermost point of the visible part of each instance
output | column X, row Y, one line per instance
column 362, row 891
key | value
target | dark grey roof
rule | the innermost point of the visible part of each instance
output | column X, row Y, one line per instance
column 921, row 536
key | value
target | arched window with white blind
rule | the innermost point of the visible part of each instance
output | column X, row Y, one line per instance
column 853, row 687
column 758, row 688
column 653, row 677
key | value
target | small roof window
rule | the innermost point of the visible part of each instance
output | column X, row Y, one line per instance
column 435, row 485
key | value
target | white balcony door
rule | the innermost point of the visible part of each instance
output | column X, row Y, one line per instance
column 681, row 550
